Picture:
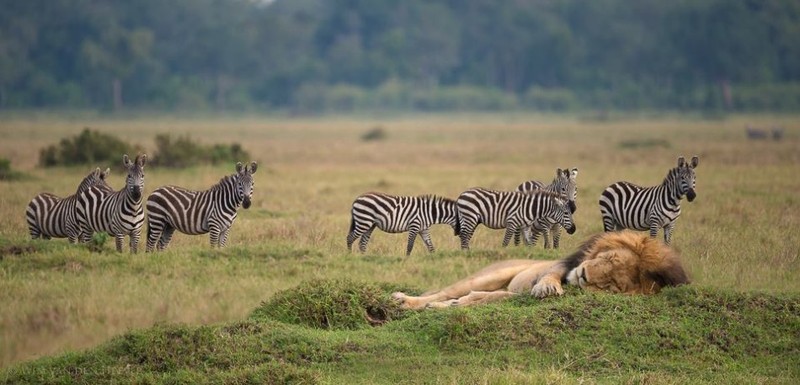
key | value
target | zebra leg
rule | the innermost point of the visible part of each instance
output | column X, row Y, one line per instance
column 154, row 233
column 556, row 230
column 532, row 236
column 135, row 236
column 426, row 237
column 362, row 245
column 546, row 236
column 467, row 229
column 510, row 230
column 166, row 237
column 654, row 230
column 118, row 240
column 668, row 233
column 223, row 237
column 213, row 234
column 412, row 236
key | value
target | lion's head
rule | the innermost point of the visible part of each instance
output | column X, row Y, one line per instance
column 627, row 262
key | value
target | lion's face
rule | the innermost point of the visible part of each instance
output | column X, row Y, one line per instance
column 643, row 269
column 613, row 271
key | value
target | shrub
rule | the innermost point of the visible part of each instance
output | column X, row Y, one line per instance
column 6, row 173
column 374, row 134
column 88, row 147
column 183, row 152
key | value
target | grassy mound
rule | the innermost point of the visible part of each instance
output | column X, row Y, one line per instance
column 331, row 304
column 318, row 333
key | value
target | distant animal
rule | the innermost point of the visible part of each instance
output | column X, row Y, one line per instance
column 511, row 210
column 777, row 133
column 50, row 216
column 564, row 183
column 192, row 212
column 398, row 214
column 621, row 262
column 118, row 213
column 624, row 205
column 755, row 133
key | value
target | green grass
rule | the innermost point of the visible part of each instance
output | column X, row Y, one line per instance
column 684, row 335
column 302, row 309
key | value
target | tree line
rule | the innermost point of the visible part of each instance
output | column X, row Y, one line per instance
column 312, row 55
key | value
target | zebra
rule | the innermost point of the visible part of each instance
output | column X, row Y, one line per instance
column 50, row 216
column 198, row 212
column 118, row 213
column 565, row 184
column 398, row 214
column 512, row 210
column 625, row 205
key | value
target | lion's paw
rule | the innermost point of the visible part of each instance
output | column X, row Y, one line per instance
column 546, row 289
column 398, row 296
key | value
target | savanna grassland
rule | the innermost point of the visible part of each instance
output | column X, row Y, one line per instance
column 738, row 238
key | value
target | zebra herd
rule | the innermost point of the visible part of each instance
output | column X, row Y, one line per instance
column 96, row 207
column 531, row 210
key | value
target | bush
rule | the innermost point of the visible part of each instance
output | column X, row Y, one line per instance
column 89, row 147
column 183, row 152
column 6, row 173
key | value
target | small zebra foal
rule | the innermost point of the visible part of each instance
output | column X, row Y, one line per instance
column 118, row 213
column 511, row 210
column 564, row 183
column 398, row 214
column 198, row 212
column 50, row 216
column 625, row 205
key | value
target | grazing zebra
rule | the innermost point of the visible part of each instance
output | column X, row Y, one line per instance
column 565, row 184
column 397, row 214
column 625, row 205
column 511, row 210
column 198, row 212
column 118, row 213
column 50, row 216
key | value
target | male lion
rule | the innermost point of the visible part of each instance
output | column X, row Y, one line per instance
column 620, row 262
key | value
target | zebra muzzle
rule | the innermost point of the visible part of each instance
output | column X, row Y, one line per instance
column 246, row 203
column 571, row 229
column 691, row 195
column 572, row 207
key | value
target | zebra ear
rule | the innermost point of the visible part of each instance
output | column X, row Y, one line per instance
column 141, row 160
column 681, row 161
column 253, row 167
column 559, row 173
column 126, row 161
column 574, row 172
column 695, row 161
column 239, row 167
column 104, row 174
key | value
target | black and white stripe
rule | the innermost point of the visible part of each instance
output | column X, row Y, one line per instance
column 398, row 214
column 565, row 183
column 118, row 213
column 625, row 205
column 50, row 216
column 213, row 211
column 510, row 210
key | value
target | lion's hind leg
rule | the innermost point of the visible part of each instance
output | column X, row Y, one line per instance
column 494, row 277
column 474, row 298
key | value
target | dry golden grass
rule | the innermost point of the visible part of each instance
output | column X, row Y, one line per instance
column 740, row 232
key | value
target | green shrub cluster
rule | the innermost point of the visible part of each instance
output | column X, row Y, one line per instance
column 6, row 172
column 93, row 147
column 183, row 152
column 88, row 147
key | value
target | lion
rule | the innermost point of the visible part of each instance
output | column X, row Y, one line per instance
column 619, row 262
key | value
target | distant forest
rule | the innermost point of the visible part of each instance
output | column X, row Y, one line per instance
column 311, row 56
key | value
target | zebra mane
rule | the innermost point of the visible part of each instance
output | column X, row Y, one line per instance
column 225, row 180
column 549, row 194
column 436, row 198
